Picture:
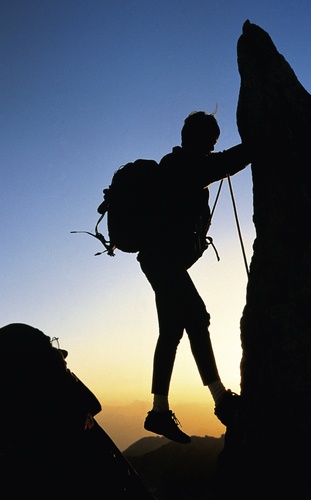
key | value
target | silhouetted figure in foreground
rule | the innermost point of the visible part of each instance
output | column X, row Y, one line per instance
column 50, row 444
column 177, row 239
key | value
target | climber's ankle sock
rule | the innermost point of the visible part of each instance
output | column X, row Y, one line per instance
column 217, row 390
column 160, row 402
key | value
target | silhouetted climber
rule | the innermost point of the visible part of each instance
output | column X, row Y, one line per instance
column 50, row 444
column 173, row 244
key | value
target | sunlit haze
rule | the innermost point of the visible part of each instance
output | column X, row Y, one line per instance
column 87, row 86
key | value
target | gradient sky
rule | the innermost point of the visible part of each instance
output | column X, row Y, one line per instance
column 86, row 86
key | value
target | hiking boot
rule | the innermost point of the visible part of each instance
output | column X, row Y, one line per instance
column 166, row 424
column 228, row 408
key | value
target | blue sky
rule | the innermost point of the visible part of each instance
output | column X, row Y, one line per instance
column 86, row 86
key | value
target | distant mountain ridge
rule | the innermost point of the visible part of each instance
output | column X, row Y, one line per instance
column 171, row 470
column 145, row 445
column 125, row 424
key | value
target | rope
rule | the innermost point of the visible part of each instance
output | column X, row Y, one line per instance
column 238, row 225
column 216, row 199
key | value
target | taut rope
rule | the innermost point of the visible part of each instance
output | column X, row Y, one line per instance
column 238, row 225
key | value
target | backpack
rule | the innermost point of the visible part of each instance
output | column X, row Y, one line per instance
column 128, row 206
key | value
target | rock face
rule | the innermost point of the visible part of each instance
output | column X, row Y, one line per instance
column 274, row 119
column 50, row 445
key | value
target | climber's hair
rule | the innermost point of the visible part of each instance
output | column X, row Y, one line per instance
column 198, row 122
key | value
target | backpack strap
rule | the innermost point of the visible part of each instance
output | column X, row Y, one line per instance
column 209, row 241
column 102, row 239
column 102, row 209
